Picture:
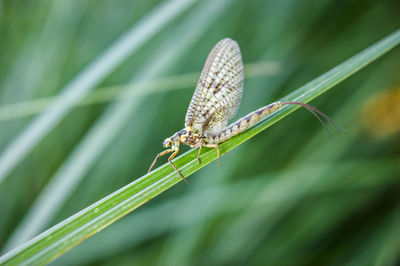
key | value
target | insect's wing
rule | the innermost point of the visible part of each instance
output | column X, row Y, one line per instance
column 219, row 90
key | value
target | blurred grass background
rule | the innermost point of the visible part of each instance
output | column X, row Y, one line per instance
column 288, row 196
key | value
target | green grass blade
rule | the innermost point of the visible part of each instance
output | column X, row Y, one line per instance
column 87, row 222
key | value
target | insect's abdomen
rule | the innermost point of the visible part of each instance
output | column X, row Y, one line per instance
column 243, row 123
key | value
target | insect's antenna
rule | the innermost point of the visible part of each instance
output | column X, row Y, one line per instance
column 317, row 112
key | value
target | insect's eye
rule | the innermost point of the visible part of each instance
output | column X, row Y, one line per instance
column 167, row 143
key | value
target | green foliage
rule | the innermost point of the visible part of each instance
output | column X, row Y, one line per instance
column 86, row 100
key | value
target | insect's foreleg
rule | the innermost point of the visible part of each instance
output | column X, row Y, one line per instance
column 158, row 156
column 176, row 169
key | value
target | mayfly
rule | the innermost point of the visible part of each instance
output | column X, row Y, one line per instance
column 215, row 101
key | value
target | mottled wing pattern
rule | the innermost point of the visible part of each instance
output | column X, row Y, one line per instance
column 219, row 90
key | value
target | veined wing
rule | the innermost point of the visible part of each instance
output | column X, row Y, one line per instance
column 219, row 90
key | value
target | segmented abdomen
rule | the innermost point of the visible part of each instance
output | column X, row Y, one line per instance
column 243, row 123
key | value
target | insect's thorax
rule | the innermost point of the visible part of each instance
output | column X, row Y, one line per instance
column 190, row 138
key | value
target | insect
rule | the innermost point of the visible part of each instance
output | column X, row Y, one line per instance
column 215, row 101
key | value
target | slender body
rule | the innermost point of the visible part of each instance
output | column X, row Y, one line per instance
column 242, row 124
column 215, row 101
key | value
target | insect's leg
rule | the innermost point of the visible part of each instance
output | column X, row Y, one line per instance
column 158, row 156
column 198, row 154
column 217, row 147
column 219, row 162
column 176, row 169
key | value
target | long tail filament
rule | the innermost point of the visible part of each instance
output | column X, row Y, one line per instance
column 317, row 112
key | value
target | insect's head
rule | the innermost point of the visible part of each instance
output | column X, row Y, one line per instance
column 175, row 140
column 167, row 142
column 172, row 142
column 178, row 138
